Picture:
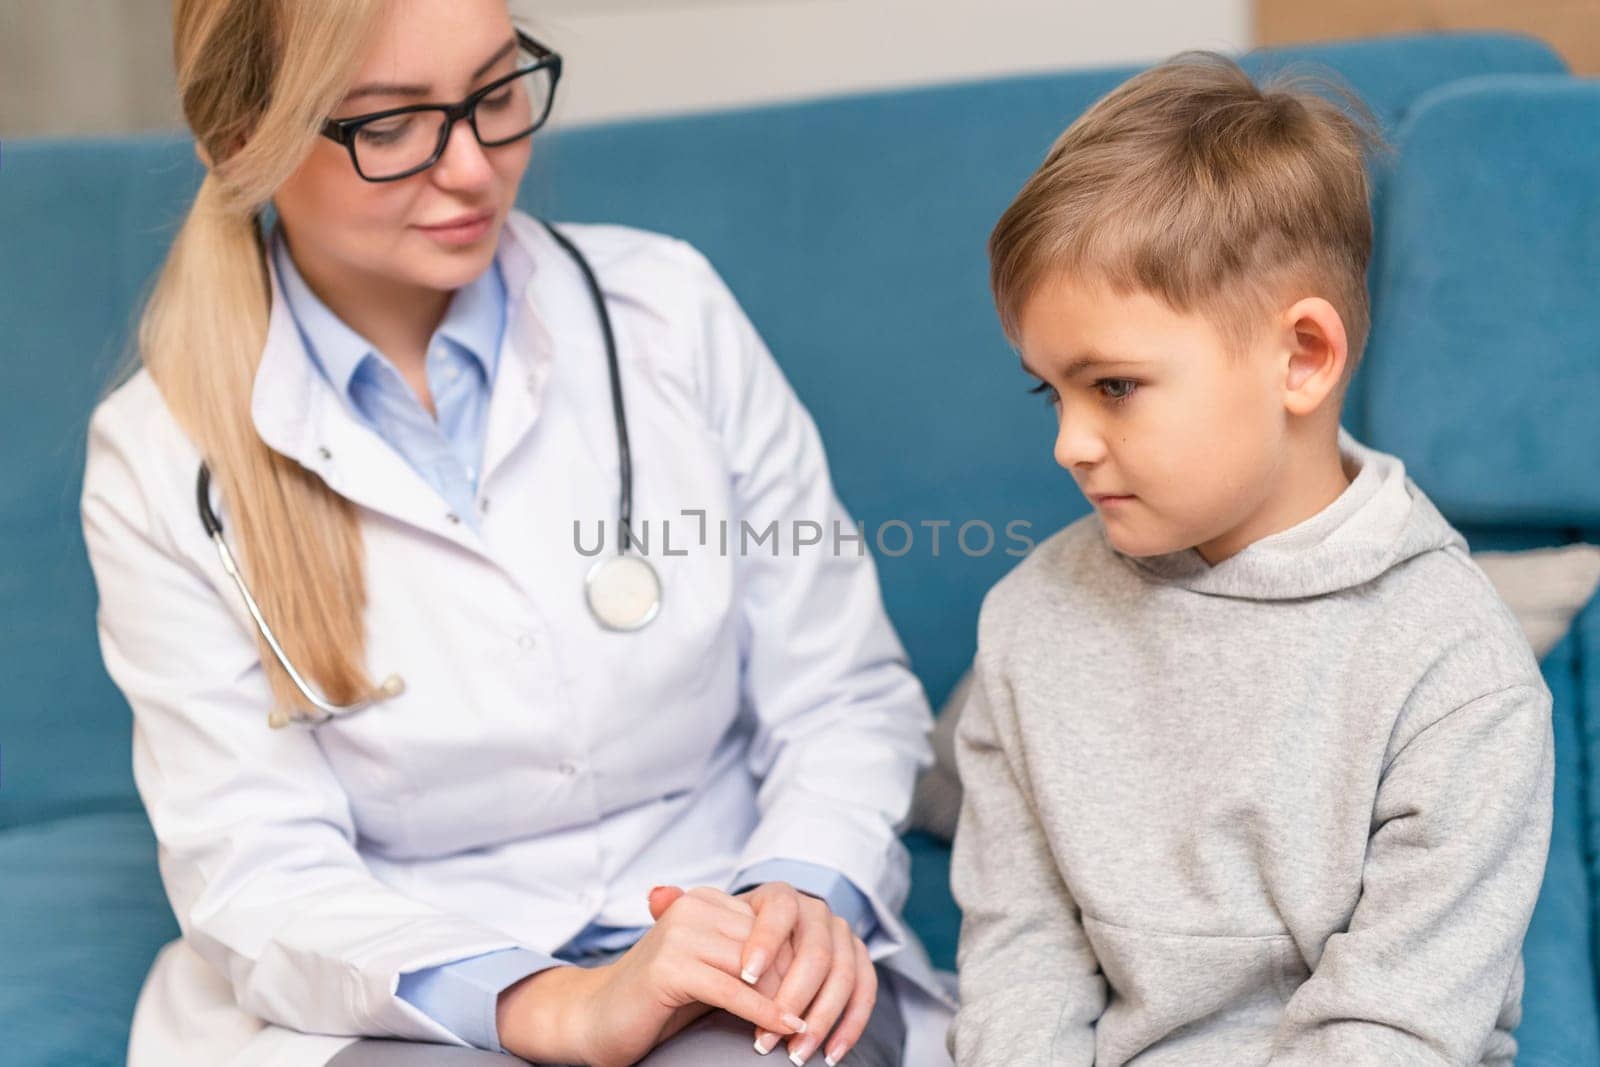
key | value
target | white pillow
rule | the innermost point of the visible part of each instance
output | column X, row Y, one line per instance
column 1544, row 587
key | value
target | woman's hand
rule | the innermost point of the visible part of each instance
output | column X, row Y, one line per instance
column 830, row 980
column 611, row 1015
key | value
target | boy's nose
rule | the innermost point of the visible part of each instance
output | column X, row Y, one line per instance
column 1078, row 444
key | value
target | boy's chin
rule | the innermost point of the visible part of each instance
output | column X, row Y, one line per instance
column 1129, row 540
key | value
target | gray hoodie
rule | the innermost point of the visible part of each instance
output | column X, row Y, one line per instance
column 1291, row 808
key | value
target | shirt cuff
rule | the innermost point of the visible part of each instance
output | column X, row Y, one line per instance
column 462, row 995
column 841, row 895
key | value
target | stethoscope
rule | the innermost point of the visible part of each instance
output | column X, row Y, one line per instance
column 623, row 591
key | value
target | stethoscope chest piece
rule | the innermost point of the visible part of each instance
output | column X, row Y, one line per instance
column 624, row 592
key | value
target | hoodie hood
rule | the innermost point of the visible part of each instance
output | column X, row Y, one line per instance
column 1380, row 520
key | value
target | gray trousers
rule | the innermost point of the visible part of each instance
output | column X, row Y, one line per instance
column 716, row 1039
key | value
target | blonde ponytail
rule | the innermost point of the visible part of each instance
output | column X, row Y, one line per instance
column 256, row 79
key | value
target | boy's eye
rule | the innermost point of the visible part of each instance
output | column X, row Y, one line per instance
column 1116, row 395
column 1047, row 390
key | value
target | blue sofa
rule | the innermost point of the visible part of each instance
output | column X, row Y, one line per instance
column 853, row 231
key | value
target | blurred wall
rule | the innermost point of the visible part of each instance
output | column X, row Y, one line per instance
column 85, row 66
column 105, row 66
column 633, row 57
column 1571, row 27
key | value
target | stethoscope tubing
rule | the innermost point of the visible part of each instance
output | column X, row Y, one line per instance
column 618, row 414
column 393, row 685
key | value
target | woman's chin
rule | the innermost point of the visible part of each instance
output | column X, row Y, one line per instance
column 449, row 271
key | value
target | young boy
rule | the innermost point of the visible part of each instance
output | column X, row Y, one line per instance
column 1258, row 766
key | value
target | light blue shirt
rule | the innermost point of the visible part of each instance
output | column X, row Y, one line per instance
column 461, row 360
column 462, row 355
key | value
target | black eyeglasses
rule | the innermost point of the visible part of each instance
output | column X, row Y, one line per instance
column 386, row 146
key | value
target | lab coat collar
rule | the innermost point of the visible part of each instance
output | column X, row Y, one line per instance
column 297, row 413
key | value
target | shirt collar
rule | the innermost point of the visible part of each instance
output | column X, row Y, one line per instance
column 476, row 318
column 297, row 413
column 475, row 321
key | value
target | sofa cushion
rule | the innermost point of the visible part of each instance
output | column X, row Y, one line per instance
column 82, row 915
column 930, row 907
column 1587, row 632
column 1559, row 1021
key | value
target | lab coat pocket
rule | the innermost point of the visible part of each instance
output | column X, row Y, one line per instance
column 357, row 752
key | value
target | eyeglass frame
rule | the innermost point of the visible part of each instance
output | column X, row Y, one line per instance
column 343, row 131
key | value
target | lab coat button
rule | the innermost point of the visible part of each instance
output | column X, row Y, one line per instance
column 526, row 640
column 568, row 768
column 452, row 516
column 533, row 383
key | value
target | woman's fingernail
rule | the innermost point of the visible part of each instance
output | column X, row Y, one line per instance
column 794, row 1022
column 766, row 1043
column 832, row 1059
column 802, row 1052
column 752, row 970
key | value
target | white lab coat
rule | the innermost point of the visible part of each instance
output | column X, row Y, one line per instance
column 538, row 772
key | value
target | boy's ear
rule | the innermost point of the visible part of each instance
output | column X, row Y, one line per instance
column 1317, row 351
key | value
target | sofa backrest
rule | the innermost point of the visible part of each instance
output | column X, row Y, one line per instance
column 1485, row 350
column 852, row 229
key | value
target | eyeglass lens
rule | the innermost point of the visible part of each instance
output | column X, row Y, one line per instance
column 388, row 147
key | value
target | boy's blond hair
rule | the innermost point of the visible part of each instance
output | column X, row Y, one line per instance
column 1191, row 183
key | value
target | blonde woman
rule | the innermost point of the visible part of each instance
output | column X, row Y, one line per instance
column 433, row 783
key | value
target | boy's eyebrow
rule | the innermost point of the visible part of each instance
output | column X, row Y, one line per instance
column 383, row 89
column 1090, row 358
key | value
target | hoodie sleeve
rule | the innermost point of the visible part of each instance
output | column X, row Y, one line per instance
column 1031, row 988
column 1460, row 831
